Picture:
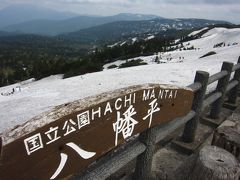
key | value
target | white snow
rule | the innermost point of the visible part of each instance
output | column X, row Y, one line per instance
column 147, row 59
column 27, row 81
column 123, row 43
column 149, row 37
column 223, row 31
column 40, row 96
column 113, row 45
column 196, row 32
column 215, row 36
column 134, row 39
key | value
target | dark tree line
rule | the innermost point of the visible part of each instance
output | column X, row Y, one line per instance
column 126, row 51
column 24, row 57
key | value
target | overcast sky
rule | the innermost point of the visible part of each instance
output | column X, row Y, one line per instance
column 208, row 9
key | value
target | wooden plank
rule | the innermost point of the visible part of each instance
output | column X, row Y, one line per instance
column 68, row 139
column 211, row 99
column 170, row 127
column 195, row 86
column 113, row 162
column 217, row 76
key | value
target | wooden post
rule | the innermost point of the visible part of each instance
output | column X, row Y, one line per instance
column 191, row 126
column 233, row 94
column 216, row 164
column 0, row 147
column 221, row 87
column 228, row 137
column 144, row 160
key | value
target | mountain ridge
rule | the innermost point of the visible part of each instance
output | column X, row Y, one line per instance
column 55, row 27
column 20, row 13
column 117, row 30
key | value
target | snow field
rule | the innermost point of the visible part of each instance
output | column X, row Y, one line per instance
column 40, row 96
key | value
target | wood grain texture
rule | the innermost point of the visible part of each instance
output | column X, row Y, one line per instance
column 111, row 164
column 144, row 161
column 215, row 163
column 221, row 87
column 59, row 141
column 189, row 131
column 228, row 138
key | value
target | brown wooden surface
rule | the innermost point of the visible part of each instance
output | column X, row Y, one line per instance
column 97, row 137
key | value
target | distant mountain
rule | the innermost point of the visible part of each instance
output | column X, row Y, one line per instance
column 21, row 13
column 4, row 33
column 133, row 17
column 54, row 27
column 124, row 29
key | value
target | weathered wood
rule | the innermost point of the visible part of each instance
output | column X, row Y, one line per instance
column 232, row 84
column 232, row 98
column 221, row 87
column 228, row 137
column 215, row 163
column 72, row 136
column 191, row 126
column 195, row 86
column 237, row 66
column 144, row 160
column 212, row 98
column 217, row 76
column 166, row 129
column 112, row 163
column 0, row 147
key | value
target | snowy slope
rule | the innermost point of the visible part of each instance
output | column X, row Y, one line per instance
column 40, row 96
column 216, row 36
column 196, row 32
column 203, row 45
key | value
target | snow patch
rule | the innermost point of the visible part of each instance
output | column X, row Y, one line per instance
column 196, row 32
column 44, row 95
column 149, row 37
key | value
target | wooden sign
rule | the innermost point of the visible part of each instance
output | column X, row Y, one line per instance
column 68, row 139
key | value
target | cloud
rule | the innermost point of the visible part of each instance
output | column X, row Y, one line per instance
column 155, row 1
column 208, row 9
column 99, row 2
column 215, row 2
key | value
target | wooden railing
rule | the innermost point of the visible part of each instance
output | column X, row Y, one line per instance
column 142, row 148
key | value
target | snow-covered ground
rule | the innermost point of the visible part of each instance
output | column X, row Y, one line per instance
column 40, row 96
column 216, row 36
column 203, row 45
column 149, row 37
column 196, row 32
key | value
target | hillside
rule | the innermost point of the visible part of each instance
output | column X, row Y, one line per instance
column 4, row 33
column 121, row 24
column 123, row 29
column 20, row 13
column 54, row 27
column 44, row 94
column 216, row 36
column 26, row 56
column 226, row 39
